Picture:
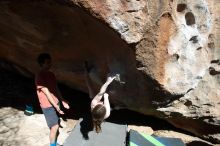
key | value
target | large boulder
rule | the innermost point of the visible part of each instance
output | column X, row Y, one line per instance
column 161, row 49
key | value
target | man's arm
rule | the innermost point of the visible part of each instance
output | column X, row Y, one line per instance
column 46, row 91
column 64, row 102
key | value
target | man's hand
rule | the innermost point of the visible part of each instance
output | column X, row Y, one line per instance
column 59, row 110
column 65, row 105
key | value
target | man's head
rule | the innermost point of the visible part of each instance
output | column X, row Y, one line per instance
column 44, row 60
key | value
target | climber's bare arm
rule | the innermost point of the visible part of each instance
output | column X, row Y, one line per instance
column 102, row 90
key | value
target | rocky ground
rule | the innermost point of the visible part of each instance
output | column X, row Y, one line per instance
column 17, row 129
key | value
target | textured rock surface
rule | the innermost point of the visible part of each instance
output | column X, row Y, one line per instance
column 18, row 129
column 161, row 49
column 199, row 108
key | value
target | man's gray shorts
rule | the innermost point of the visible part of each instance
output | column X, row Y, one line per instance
column 50, row 116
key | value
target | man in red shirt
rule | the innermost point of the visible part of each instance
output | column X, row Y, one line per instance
column 49, row 96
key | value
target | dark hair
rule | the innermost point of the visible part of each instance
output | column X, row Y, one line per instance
column 42, row 57
column 98, row 114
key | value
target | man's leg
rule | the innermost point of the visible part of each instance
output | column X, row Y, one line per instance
column 53, row 134
column 53, row 123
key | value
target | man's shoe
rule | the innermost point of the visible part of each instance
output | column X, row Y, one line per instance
column 29, row 110
column 28, row 113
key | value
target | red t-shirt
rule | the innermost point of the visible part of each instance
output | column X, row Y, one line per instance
column 46, row 79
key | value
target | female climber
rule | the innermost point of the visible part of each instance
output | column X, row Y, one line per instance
column 100, row 110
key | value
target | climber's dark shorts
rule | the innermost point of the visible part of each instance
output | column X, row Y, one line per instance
column 50, row 116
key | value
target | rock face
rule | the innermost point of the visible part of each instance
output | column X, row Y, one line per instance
column 161, row 49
